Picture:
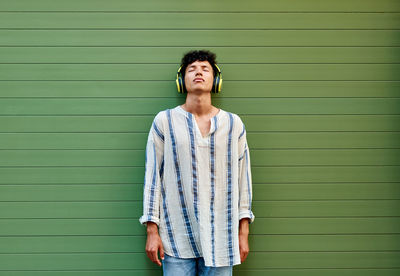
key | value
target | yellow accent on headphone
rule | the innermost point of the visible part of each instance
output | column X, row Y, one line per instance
column 217, row 82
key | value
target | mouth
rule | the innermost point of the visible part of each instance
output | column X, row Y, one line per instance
column 198, row 79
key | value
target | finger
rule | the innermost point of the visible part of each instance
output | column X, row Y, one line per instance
column 244, row 257
column 150, row 255
column 162, row 252
column 243, row 254
column 158, row 262
column 155, row 258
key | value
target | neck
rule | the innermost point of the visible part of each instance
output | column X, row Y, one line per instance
column 198, row 104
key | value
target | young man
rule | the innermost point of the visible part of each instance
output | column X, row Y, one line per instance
column 198, row 189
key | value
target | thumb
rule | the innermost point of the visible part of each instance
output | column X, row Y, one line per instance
column 162, row 252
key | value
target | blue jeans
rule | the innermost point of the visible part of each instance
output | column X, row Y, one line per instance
column 191, row 267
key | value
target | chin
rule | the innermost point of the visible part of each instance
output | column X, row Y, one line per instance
column 199, row 92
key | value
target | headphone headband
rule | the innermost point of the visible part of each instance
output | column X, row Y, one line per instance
column 217, row 82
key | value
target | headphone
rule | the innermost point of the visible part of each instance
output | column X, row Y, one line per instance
column 217, row 83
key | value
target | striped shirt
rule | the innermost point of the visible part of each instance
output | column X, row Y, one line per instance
column 196, row 189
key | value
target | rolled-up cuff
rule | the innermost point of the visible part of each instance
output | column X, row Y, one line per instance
column 144, row 219
column 247, row 214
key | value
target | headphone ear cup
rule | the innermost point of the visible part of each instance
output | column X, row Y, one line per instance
column 220, row 85
column 217, row 84
column 180, row 84
column 217, row 81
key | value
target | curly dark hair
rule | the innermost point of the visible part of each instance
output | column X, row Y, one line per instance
column 198, row 55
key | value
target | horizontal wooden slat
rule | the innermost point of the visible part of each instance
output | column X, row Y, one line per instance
column 209, row 5
column 144, row 106
column 269, row 157
column 257, row 243
column 317, row 191
column 279, row 174
column 315, row 157
column 99, row 140
column 320, row 123
column 256, row 140
column 100, row 261
column 281, row 226
column 123, row 124
column 261, row 209
column 225, row 55
column 199, row 38
column 163, row 72
column 154, row 89
column 321, row 260
column 79, row 192
column 71, row 227
column 260, row 243
column 299, row 124
column 173, row 20
column 115, row 191
column 317, row 140
column 78, row 261
column 75, row 244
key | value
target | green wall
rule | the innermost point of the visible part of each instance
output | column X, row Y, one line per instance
column 317, row 84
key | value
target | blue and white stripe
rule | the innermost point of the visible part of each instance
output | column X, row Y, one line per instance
column 212, row 200
column 184, row 210
column 246, row 154
column 169, row 229
column 158, row 131
column 194, row 165
column 243, row 131
column 153, row 183
column 229, row 195
column 168, row 226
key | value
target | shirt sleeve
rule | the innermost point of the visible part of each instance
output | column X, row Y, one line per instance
column 245, row 181
column 153, row 174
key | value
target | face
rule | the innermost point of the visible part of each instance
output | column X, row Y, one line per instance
column 199, row 77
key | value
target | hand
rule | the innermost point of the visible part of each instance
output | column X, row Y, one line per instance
column 154, row 244
column 243, row 239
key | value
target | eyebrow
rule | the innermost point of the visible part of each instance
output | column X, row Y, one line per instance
column 195, row 66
